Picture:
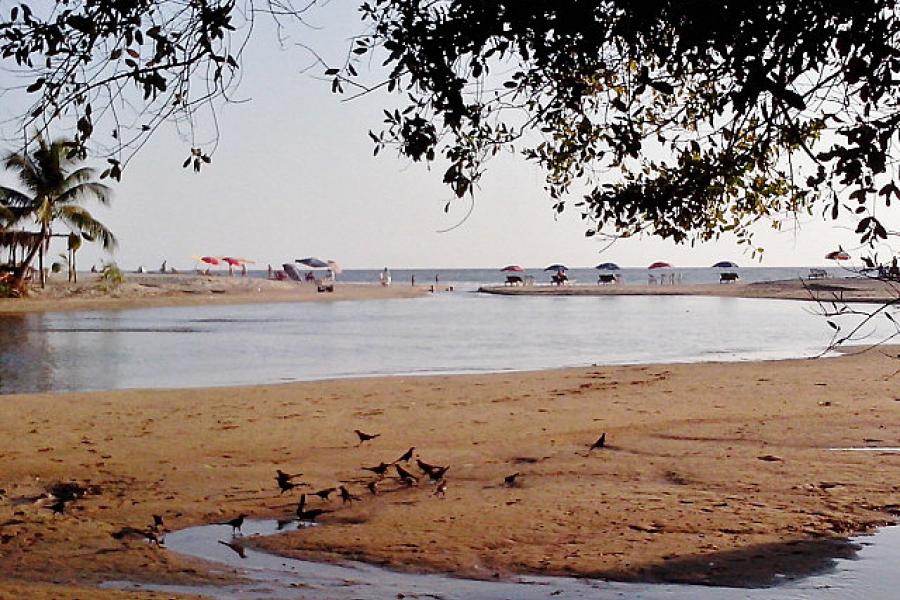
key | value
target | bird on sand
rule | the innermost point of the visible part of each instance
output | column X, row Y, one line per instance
column 438, row 473
column 308, row 515
column 373, row 487
column 158, row 522
column 58, row 507
column 425, row 467
column 380, row 469
column 235, row 523
column 284, row 481
column 323, row 494
column 346, row 496
column 365, row 437
column 510, row 480
column 600, row 443
column 406, row 455
column 405, row 476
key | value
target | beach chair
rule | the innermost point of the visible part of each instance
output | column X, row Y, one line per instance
column 514, row 280
column 728, row 277
column 817, row 274
column 606, row 279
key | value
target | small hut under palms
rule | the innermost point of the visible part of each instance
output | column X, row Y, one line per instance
column 52, row 186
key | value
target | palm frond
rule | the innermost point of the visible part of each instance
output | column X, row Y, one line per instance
column 82, row 175
column 13, row 198
column 25, row 170
column 84, row 191
column 80, row 220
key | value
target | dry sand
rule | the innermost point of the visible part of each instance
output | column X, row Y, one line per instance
column 144, row 291
column 824, row 290
column 713, row 472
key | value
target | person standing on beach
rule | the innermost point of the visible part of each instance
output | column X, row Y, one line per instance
column 412, row 280
column 385, row 277
column 162, row 269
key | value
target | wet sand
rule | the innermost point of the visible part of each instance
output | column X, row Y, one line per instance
column 824, row 290
column 148, row 291
column 714, row 473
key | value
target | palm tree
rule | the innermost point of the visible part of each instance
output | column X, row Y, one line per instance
column 53, row 186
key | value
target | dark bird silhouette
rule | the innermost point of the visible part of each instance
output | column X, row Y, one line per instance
column 373, row 487
column 346, row 496
column 441, row 490
column 365, row 437
column 235, row 524
column 58, row 507
column 380, row 469
column 405, row 476
column 438, row 473
column 425, row 467
column 600, row 443
column 309, row 515
column 406, row 455
column 286, row 486
column 323, row 494
column 510, row 480
column 284, row 480
column 158, row 522
column 237, row 548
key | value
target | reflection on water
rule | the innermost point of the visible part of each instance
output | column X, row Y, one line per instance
column 871, row 576
column 446, row 333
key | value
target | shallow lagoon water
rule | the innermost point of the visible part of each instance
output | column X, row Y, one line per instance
column 871, row 575
column 459, row 332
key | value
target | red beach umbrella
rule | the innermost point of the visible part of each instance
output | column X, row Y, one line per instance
column 210, row 260
column 837, row 255
column 512, row 269
column 660, row 265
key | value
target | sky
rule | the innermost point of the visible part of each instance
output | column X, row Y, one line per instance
column 294, row 176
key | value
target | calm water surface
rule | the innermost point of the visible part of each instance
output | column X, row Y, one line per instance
column 445, row 333
column 871, row 576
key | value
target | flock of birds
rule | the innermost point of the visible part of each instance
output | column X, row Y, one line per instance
column 63, row 493
column 436, row 474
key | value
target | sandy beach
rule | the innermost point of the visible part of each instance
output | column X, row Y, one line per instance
column 153, row 290
column 824, row 290
column 715, row 473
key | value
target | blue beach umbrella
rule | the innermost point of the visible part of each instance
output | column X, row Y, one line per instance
column 312, row 262
column 557, row 267
column 725, row 264
column 607, row 267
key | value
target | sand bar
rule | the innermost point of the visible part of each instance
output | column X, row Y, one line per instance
column 826, row 290
column 714, row 472
column 149, row 291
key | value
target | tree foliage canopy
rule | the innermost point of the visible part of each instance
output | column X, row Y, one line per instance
column 685, row 119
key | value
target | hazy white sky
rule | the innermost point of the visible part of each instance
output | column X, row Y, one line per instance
column 294, row 176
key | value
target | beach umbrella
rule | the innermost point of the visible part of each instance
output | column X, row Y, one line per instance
column 557, row 267
column 231, row 261
column 837, row 255
column 512, row 269
column 660, row 265
column 607, row 266
column 725, row 264
column 210, row 260
column 313, row 262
